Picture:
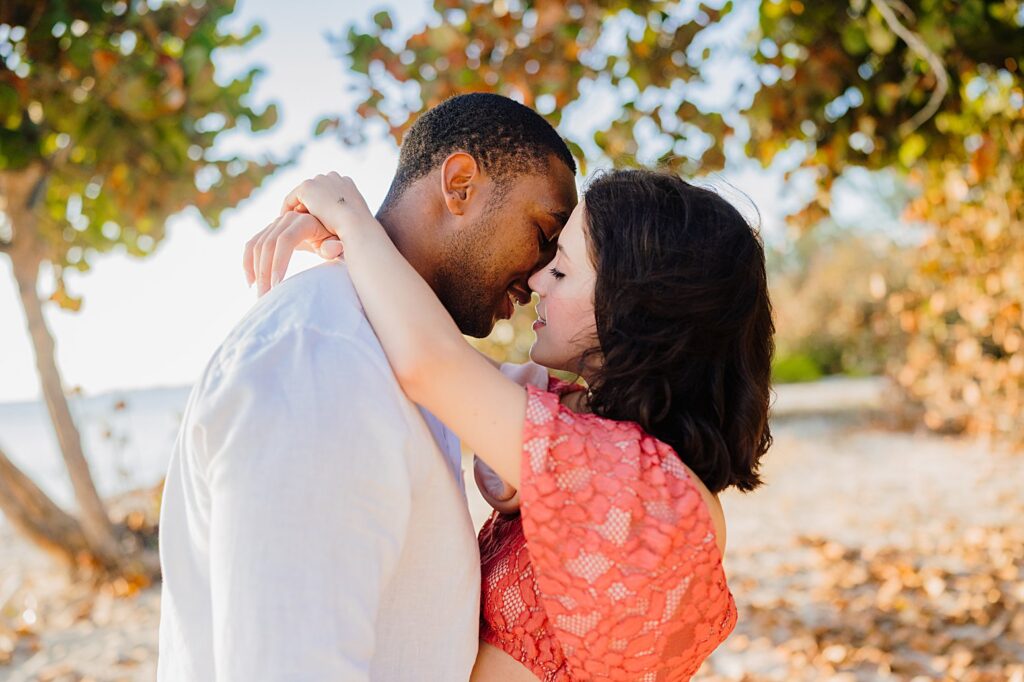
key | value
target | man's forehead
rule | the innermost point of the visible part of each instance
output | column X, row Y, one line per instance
column 553, row 195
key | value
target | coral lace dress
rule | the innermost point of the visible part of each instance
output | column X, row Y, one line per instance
column 610, row 571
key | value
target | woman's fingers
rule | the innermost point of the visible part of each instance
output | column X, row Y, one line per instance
column 293, row 202
column 301, row 228
column 257, row 251
column 250, row 256
column 330, row 248
column 248, row 260
column 267, row 246
column 267, row 254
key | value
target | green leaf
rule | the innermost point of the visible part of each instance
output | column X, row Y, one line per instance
column 266, row 120
column 854, row 40
column 912, row 149
column 383, row 20
column 579, row 155
column 880, row 38
column 9, row 101
column 325, row 124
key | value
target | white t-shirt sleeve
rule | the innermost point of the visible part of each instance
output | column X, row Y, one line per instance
column 306, row 460
column 526, row 374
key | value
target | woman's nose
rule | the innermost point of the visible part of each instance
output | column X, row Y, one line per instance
column 536, row 282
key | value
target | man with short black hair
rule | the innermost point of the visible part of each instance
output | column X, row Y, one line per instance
column 342, row 549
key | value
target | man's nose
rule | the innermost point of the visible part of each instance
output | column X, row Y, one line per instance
column 547, row 252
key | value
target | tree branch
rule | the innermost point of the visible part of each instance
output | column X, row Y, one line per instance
column 915, row 43
column 901, row 7
column 33, row 513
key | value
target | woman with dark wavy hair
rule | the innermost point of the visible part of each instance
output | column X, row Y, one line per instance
column 603, row 559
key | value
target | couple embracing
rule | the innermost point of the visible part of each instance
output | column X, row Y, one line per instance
column 314, row 523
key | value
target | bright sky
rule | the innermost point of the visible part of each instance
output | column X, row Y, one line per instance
column 155, row 322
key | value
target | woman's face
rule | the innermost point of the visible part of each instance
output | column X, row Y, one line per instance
column 566, row 326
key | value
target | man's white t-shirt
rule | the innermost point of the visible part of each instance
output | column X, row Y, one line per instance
column 314, row 526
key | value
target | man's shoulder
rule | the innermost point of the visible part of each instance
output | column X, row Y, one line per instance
column 320, row 300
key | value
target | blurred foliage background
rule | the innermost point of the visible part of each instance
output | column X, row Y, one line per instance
column 926, row 95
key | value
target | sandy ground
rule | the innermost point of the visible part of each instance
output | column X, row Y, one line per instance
column 876, row 555
column 872, row 554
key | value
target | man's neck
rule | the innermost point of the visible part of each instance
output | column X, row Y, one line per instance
column 409, row 224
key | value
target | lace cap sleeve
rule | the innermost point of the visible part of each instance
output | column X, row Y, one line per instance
column 622, row 546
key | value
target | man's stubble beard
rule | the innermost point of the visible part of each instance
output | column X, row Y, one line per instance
column 462, row 281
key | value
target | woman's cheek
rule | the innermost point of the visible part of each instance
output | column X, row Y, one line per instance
column 578, row 331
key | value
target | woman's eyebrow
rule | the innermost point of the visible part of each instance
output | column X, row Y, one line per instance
column 564, row 254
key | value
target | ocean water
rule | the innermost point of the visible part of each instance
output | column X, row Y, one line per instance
column 127, row 437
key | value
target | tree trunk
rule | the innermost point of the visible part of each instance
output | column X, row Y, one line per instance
column 30, row 511
column 29, row 508
column 26, row 251
column 94, row 520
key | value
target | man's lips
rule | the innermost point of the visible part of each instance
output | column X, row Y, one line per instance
column 514, row 295
column 507, row 307
column 519, row 295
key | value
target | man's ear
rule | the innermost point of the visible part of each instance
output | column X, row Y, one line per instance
column 460, row 181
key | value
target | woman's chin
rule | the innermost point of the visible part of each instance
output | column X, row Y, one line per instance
column 537, row 355
column 545, row 359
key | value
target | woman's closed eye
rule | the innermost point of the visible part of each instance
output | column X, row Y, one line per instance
column 556, row 273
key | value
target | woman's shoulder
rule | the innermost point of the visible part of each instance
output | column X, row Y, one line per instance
column 614, row 521
column 618, row 453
